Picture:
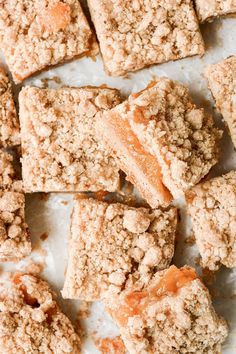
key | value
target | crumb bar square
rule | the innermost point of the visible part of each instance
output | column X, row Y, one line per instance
column 113, row 244
column 9, row 124
column 207, row 10
column 212, row 206
column 60, row 150
column 31, row 321
column 136, row 34
column 180, row 138
column 14, row 236
column 37, row 34
column 172, row 314
column 222, row 83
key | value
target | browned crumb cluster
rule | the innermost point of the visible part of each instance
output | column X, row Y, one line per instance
column 212, row 206
column 222, row 83
column 136, row 34
column 40, row 33
column 208, row 9
column 113, row 244
column 110, row 345
column 180, row 138
column 60, row 149
column 9, row 125
column 31, row 321
column 14, row 238
column 172, row 314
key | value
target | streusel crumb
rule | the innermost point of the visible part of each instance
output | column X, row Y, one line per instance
column 180, row 137
column 222, row 83
column 113, row 244
column 172, row 314
column 60, row 149
column 9, row 124
column 31, row 321
column 212, row 206
column 208, row 10
column 14, row 237
column 37, row 34
column 136, row 34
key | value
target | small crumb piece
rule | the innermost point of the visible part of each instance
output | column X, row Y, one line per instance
column 212, row 206
column 61, row 152
column 110, row 345
column 31, row 321
column 208, row 10
column 112, row 244
column 222, row 83
column 145, row 33
column 173, row 313
column 9, row 124
column 35, row 35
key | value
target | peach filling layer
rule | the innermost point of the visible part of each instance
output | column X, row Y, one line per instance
column 137, row 301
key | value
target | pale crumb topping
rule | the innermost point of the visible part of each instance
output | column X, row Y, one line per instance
column 207, row 10
column 60, row 150
column 136, row 34
column 222, row 83
column 9, row 124
column 181, row 137
column 160, row 318
column 14, row 237
column 31, row 321
column 212, row 206
column 37, row 34
column 113, row 244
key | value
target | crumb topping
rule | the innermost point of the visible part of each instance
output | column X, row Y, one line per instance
column 207, row 10
column 40, row 33
column 169, row 126
column 212, row 206
column 222, row 83
column 185, row 321
column 60, row 149
column 9, row 124
column 31, row 321
column 144, row 32
column 113, row 244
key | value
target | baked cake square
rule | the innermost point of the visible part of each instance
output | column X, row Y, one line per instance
column 9, row 124
column 112, row 245
column 222, row 83
column 14, row 236
column 207, row 10
column 161, row 138
column 37, row 34
column 212, row 206
column 60, row 150
column 136, row 34
column 31, row 321
column 172, row 314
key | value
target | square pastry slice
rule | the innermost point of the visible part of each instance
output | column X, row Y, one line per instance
column 212, row 206
column 37, row 34
column 161, row 140
column 222, row 83
column 208, row 9
column 31, row 321
column 136, row 34
column 113, row 244
column 60, row 150
column 14, row 236
column 172, row 314
column 9, row 124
